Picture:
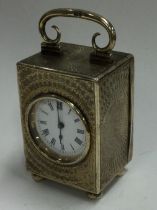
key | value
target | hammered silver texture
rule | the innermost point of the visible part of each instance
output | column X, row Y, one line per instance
column 34, row 82
column 114, row 123
column 103, row 92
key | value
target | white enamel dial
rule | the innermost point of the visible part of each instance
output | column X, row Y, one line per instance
column 60, row 129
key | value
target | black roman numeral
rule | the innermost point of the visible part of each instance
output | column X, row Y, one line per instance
column 45, row 132
column 72, row 147
column 53, row 141
column 59, row 105
column 80, row 131
column 44, row 112
column 50, row 105
column 78, row 141
column 43, row 122
column 69, row 111
column 76, row 120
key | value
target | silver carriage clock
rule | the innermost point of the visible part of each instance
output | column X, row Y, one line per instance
column 77, row 108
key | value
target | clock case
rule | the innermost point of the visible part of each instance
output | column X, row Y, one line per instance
column 101, row 87
column 103, row 92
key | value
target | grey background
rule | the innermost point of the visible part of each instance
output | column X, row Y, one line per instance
column 135, row 23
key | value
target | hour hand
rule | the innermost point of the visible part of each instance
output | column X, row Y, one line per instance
column 60, row 138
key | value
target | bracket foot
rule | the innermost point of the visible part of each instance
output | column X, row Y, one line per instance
column 93, row 196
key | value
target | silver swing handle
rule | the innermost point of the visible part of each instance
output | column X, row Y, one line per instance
column 83, row 14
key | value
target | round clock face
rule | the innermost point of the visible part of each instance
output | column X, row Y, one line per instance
column 58, row 129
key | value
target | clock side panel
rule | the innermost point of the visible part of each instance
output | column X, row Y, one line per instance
column 34, row 82
column 115, row 122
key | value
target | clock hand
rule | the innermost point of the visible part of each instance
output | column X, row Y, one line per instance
column 58, row 116
column 61, row 137
column 60, row 126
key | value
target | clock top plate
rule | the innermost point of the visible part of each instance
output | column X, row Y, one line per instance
column 75, row 60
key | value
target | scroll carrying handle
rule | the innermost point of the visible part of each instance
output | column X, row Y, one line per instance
column 83, row 14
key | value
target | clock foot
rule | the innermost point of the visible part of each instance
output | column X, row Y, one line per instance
column 93, row 196
column 37, row 178
column 122, row 172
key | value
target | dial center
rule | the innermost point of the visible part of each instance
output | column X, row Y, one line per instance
column 61, row 125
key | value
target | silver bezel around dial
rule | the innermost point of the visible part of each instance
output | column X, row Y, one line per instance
column 38, row 143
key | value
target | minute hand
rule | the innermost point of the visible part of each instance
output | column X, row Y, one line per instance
column 58, row 117
column 60, row 126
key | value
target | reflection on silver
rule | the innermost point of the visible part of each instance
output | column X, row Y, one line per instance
column 83, row 14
